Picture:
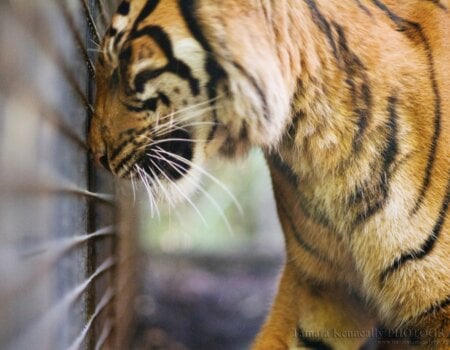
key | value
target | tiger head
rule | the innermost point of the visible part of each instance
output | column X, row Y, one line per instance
column 178, row 83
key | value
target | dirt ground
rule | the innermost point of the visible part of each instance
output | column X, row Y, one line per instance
column 203, row 302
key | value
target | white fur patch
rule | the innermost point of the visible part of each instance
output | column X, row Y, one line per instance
column 190, row 52
column 119, row 23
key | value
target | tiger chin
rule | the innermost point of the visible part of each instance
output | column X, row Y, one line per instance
column 350, row 102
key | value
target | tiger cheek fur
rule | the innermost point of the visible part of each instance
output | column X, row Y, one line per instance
column 348, row 99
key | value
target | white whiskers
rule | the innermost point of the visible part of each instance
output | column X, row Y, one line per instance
column 156, row 178
column 95, row 50
column 181, row 171
column 171, row 124
column 133, row 186
column 153, row 204
column 206, row 173
column 184, row 195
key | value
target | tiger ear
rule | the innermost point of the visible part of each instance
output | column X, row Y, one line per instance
column 145, row 54
column 132, row 60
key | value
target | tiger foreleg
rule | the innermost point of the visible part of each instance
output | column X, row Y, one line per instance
column 307, row 317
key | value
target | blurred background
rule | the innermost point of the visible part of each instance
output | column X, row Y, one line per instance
column 83, row 263
column 208, row 280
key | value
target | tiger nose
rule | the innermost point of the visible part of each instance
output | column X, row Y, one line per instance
column 102, row 161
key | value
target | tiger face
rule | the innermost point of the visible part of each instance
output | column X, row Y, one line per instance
column 170, row 95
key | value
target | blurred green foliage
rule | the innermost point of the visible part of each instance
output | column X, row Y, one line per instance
column 181, row 229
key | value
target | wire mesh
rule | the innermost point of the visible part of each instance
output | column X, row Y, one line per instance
column 66, row 255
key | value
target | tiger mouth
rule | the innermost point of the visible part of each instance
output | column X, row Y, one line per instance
column 169, row 160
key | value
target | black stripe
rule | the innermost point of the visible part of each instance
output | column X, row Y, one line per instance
column 216, row 74
column 315, row 212
column 115, row 78
column 323, row 25
column 120, row 148
column 124, row 8
column 130, row 156
column 188, row 9
column 310, row 343
column 164, row 99
column 256, row 86
column 146, row 11
column 299, row 239
column 125, row 54
column 101, row 60
column 293, row 127
column 312, row 212
column 132, row 134
column 174, row 66
column 356, row 76
column 243, row 133
column 436, row 307
column 437, row 129
column 401, row 23
column 364, row 113
column 131, row 108
column 358, row 82
column 124, row 58
column 283, row 168
column 112, row 31
column 438, row 4
column 213, row 68
column 363, row 7
column 157, row 34
column 410, row 28
column 144, row 76
column 365, row 195
column 428, row 245
column 181, row 69
column 178, row 147
column 390, row 151
column 150, row 104
column 104, row 161
column 117, row 39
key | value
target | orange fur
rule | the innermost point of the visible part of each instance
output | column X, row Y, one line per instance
column 350, row 100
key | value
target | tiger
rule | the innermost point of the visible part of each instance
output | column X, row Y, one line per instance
column 349, row 101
